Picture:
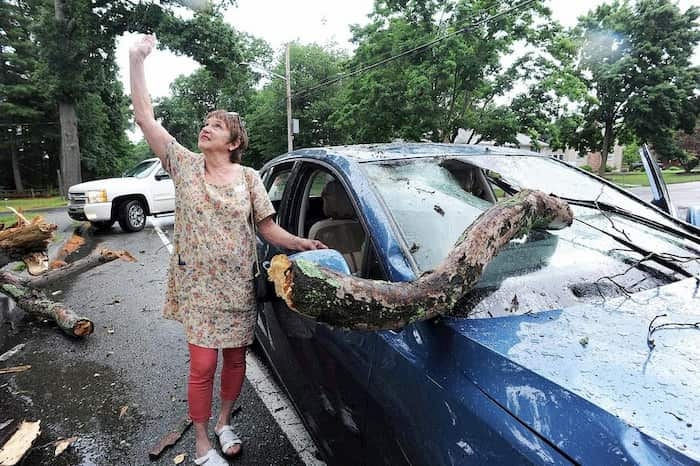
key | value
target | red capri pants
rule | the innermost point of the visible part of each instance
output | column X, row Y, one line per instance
column 201, row 383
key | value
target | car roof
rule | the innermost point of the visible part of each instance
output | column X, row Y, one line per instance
column 391, row 151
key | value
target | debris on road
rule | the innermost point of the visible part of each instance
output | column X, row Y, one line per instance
column 19, row 444
column 62, row 444
column 180, row 458
column 170, row 438
column 9, row 353
column 123, row 410
column 14, row 370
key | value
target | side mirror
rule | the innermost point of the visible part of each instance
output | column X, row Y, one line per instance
column 328, row 258
column 162, row 175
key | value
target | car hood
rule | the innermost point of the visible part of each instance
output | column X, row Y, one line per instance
column 107, row 183
column 586, row 379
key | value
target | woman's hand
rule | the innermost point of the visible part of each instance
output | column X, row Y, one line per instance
column 142, row 47
column 309, row 245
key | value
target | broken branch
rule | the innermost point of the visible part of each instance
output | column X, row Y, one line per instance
column 355, row 303
column 34, row 302
column 79, row 266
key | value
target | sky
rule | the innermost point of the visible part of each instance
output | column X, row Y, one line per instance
column 305, row 21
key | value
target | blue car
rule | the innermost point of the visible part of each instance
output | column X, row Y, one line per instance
column 577, row 346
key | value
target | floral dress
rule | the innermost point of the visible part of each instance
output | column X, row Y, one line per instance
column 210, row 278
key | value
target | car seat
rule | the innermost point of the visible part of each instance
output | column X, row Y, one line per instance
column 341, row 230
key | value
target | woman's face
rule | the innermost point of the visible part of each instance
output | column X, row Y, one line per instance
column 215, row 137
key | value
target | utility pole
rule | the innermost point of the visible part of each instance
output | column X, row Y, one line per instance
column 290, row 137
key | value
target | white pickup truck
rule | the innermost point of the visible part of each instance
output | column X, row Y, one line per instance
column 144, row 190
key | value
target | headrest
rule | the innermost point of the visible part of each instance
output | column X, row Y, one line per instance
column 336, row 203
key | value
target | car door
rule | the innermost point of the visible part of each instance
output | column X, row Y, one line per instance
column 325, row 370
column 163, row 192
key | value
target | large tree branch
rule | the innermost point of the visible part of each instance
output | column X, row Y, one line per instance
column 77, row 267
column 355, row 303
column 36, row 303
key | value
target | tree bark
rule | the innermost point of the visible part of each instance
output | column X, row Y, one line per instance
column 355, row 303
column 607, row 136
column 70, row 148
column 37, row 304
column 24, row 239
column 16, row 173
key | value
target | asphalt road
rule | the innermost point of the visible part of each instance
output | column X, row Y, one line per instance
column 124, row 387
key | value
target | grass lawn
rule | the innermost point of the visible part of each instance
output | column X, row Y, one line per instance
column 8, row 220
column 29, row 203
column 640, row 178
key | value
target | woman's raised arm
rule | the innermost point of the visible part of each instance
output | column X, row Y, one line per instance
column 156, row 136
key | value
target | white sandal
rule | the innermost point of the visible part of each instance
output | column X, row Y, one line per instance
column 212, row 458
column 227, row 439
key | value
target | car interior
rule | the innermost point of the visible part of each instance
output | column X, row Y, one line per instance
column 327, row 215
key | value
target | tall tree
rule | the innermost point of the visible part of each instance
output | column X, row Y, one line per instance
column 309, row 65
column 637, row 60
column 433, row 91
column 25, row 108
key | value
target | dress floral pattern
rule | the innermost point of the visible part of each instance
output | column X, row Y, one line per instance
column 210, row 278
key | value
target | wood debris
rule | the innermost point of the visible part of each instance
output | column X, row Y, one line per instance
column 11, row 352
column 13, row 370
column 61, row 445
column 170, row 438
column 19, row 444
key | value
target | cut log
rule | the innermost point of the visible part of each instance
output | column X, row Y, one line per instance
column 34, row 302
column 18, row 445
column 24, row 239
column 350, row 302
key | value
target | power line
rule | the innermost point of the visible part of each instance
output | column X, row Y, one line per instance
column 420, row 48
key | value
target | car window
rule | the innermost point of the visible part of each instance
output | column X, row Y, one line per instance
column 327, row 213
column 277, row 184
column 141, row 170
column 426, row 198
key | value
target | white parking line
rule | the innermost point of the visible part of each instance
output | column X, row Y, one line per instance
column 162, row 236
column 272, row 396
column 281, row 409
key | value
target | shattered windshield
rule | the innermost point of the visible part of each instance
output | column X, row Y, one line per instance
column 433, row 201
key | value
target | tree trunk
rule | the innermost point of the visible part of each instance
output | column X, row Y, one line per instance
column 355, row 303
column 607, row 137
column 19, row 186
column 70, row 148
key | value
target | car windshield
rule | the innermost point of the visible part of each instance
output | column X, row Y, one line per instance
column 141, row 170
column 433, row 202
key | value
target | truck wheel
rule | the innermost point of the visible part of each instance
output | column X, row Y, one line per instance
column 102, row 226
column 132, row 215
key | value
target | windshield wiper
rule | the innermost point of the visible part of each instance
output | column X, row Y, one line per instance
column 650, row 255
column 605, row 207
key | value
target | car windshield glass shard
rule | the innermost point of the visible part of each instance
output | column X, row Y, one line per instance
column 141, row 170
column 426, row 198
column 553, row 177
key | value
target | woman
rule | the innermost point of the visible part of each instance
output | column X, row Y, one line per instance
column 210, row 287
